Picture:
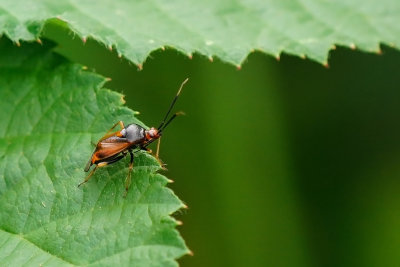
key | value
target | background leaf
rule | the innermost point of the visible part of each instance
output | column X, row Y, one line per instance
column 229, row 30
column 50, row 112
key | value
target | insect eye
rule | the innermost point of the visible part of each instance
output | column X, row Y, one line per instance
column 153, row 133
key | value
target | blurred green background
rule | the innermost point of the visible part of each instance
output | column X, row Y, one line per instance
column 281, row 163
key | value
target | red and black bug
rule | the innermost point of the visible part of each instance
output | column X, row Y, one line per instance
column 114, row 146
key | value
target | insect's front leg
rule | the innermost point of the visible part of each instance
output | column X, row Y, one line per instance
column 158, row 148
column 156, row 155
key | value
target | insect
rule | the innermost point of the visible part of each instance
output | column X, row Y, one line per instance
column 114, row 146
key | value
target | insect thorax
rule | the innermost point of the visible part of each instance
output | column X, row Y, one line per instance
column 134, row 133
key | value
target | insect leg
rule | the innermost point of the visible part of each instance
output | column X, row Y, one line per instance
column 158, row 148
column 102, row 164
column 156, row 155
column 128, row 178
column 88, row 177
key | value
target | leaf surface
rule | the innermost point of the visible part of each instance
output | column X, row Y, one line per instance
column 50, row 111
column 229, row 30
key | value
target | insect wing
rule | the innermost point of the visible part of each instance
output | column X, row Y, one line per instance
column 106, row 149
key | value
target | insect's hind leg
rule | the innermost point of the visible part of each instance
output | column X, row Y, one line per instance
column 88, row 177
column 102, row 164
column 128, row 178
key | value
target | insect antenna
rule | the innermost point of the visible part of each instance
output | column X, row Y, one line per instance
column 170, row 108
column 165, row 125
column 170, row 120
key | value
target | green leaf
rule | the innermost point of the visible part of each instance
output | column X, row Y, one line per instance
column 50, row 111
column 229, row 30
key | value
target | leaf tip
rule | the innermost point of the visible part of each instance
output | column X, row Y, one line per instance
column 110, row 47
column 210, row 58
column 108, row 79
column 333, row 47
column 190, row 253
column 84, row 67
column 59, row 18
column 326, row 64
column 238, row 67
column 278, row 58
column 119, row 55
column 18, row 43
column 179, row 222
column 353, row 46
column 190, row 56
column 184, row 206
column 140, row 67
column 170, row 181
column 39, row 41
column 162, row 48
column 303, row 56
